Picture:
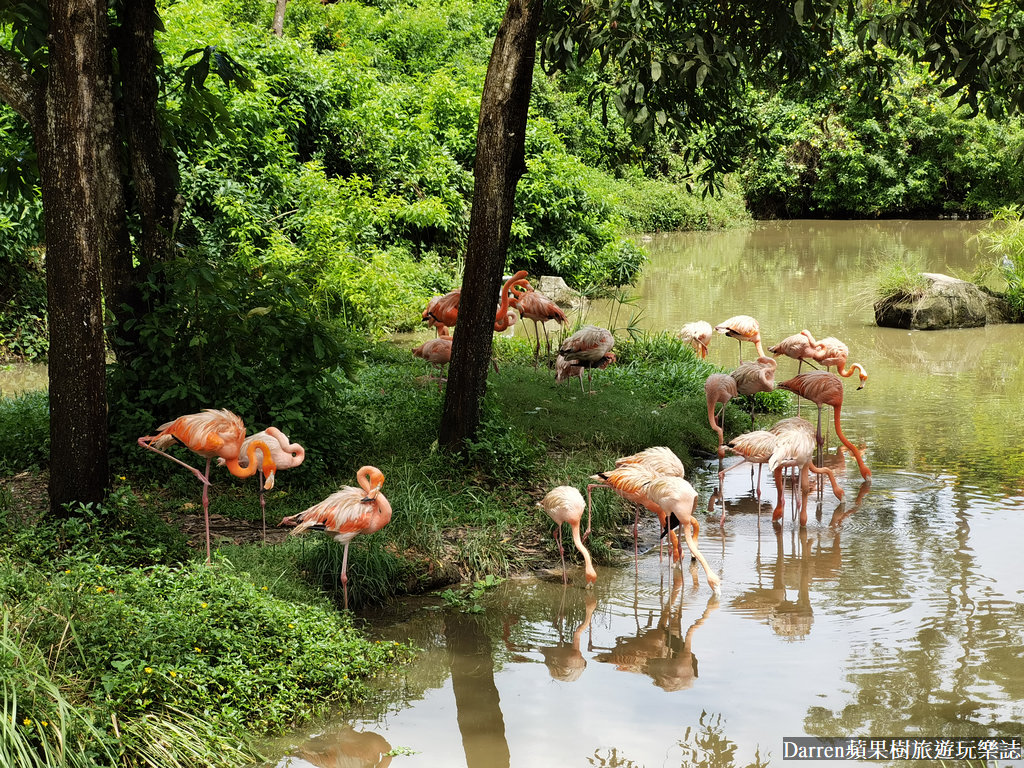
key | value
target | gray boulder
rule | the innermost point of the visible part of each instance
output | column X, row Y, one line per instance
column 946, row 302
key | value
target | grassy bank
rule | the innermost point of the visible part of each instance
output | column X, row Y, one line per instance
column 122, row 645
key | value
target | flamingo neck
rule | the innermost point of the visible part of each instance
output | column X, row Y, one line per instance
column 864, row 471
column 266, row 463
column 591, row 574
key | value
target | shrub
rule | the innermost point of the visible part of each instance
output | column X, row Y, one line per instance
column 24, row 432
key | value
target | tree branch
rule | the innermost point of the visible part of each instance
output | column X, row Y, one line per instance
column 17, row 87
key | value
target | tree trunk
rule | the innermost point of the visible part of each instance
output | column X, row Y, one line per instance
column 500, row 162
column 76, row 114
column 278, row 26
column 154, row 173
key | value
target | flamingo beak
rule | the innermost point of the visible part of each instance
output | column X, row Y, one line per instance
column 269, row 483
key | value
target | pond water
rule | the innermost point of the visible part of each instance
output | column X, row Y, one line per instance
column 896, row 613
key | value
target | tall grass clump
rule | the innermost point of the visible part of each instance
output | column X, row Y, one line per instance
column 898, row 278
column 24, row 432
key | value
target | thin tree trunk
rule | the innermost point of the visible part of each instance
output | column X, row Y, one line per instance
column 500, row 162
column 77, row 111
column 278, row 26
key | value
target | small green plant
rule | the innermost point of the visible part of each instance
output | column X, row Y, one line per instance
column 24, row 432
column 898, row 278
column 466, row 598
column 1004, row 238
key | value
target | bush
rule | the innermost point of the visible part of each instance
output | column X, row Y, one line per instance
column 24, row 432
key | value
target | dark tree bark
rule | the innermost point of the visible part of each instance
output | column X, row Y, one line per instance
column 500, row 163
column 76, row 115
column 153, row 171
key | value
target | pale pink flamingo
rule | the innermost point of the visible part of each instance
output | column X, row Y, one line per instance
column 588, row 348
column 830, row 352
column 539, row 308
column 346, row 514
column 754, row 448
column 567, row 370
column 565, row 504
column 797, row 346
column 437, row 352
column 755, row 376
column 719, row 388
column 743, row 328
column 676, row 497
column 212, row 434
column 698, row 335
column 285, row 454
column 825, row 388
column 794, row 448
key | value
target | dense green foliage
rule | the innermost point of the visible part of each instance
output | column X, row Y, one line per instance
column 1005, row 239
column 843, row 145
column 112, row 643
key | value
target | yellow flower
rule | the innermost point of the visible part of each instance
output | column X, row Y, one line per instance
column 173, row 673
column 149, row 670
column 27, row 721
column 99, row 589
column 291, row 626
column 199, row 650
column 202, row 605
column 263, row 588
column 44, row 723
column 120, row 477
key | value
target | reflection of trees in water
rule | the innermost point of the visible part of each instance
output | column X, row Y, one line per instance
column 703, row 746
column 476, row 696
column 928, row 682
column 662, row 651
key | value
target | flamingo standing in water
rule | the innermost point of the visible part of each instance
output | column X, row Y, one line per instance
column 755, row 376
column 662, row 461
column 754, row 448
column 719, row 388
column 539, row 308
column 830, row 352
column 587, row 347
column 285, row 454
column 793, row 448
column 743, row 328
column 677, row 498
column 212, row 434
column 346, row 514
column 565, row 504
column 825, row 388
column 698, row 335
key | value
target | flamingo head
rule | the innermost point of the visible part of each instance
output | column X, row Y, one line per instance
column 370, row 480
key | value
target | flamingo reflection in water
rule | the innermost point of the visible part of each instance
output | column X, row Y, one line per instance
column 565, row 661
column 347, row 748
column 664, row 651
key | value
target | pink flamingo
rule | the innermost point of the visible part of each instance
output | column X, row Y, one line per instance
column 830, row 352
column 719, row 388
column 755, row 376
column 755, row 448
column 677, row 498
column 284, row 453
column 825, row 388
column 212, row 434
column 698, row 335
column 437, row 352
column 743, row 328
column 662, row 461
column 565, row 369
column 588, row 348
column 565, row 504
column 347, row 513
column 444, row 310
column 539, row 308
column 794, row 448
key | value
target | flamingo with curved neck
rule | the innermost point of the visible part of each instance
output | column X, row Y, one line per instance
column 212, row 434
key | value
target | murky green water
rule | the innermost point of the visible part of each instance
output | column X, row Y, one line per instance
column 896, row 613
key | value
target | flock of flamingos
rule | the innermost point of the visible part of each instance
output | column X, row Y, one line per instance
column 652, row 478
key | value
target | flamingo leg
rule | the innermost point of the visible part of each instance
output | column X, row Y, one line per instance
column 206, row 508
column 202, row 478
column 263, row 504
column 344, row 574
column 561, row 552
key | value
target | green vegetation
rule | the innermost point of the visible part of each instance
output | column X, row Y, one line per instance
column 1005, row 239
column 899, row 278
